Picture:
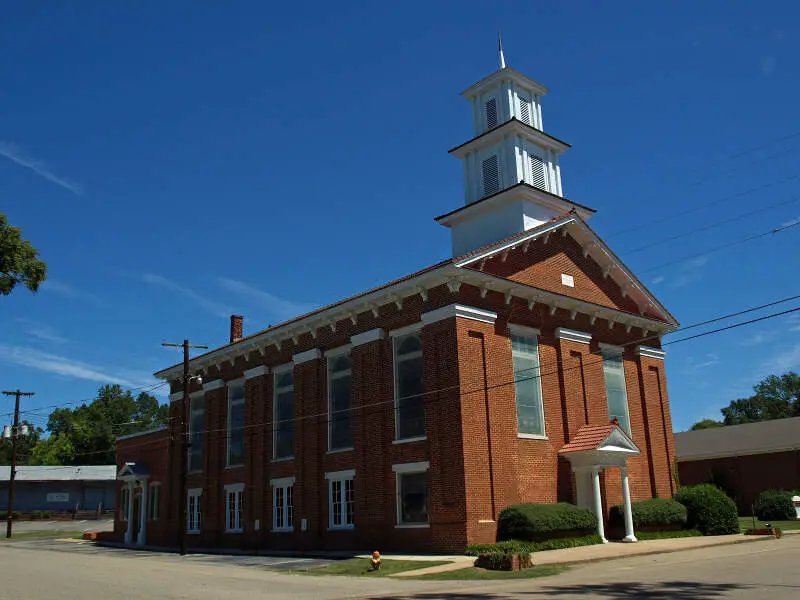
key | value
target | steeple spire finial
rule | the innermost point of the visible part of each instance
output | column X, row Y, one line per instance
column 500, row 48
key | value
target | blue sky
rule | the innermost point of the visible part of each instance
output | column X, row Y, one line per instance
column 178, row 162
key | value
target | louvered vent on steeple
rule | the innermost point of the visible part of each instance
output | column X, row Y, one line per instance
column 491, row 113
column 537, row 171
column 491, row 175
column 525, row 110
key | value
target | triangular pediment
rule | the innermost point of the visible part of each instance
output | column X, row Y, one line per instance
column 618, row 441
column 132, row 471
column 566, row 257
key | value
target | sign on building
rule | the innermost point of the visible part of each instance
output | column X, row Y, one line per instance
column 58, row 497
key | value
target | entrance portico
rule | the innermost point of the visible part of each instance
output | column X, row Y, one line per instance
column 134, row 478
column 594, row 449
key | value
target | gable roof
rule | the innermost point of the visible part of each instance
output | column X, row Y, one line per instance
column 739, row 440
column 609, row 437
column 593, row 246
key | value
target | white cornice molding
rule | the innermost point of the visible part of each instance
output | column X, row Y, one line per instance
column 373, row 335
column 416, row 467
column 347, row 474
column 213, row 385
column 406, row 329
column 307, row 356
column 517, row 329
column 650, row 352
column 256, row 372
column 611, row 347
column 562, row 333
column 459, row 310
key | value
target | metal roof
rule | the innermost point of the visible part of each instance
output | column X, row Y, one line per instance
column 53, row 473
column 738, row 440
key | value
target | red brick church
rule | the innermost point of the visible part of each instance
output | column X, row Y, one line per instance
column 526, row 368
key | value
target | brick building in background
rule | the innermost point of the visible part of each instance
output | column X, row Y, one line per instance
column 527, row 368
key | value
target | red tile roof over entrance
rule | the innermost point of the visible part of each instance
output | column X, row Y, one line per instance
column 589, row 437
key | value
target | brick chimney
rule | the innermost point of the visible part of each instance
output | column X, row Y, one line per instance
column 237, row 325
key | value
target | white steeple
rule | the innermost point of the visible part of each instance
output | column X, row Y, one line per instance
column 512, row 176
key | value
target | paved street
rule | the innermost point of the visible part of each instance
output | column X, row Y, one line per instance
column 74, row 525
column 761, row 570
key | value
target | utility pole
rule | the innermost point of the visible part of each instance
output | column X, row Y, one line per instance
column 186, row 443
column 14, row 434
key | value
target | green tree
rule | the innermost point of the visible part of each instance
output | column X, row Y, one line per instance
column 19, row 261
column 88, row 434
column 706, row 424
column 25, row 445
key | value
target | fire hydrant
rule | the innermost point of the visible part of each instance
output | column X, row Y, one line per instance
column 375, row 561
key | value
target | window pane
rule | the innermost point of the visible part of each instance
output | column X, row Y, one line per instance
column 527, row 385
column 410, row 402
column 336, row 503
column 341, row 431
column 409, row 343
column 197, row 424
column 236, row 433
column 349, row 501
column 616, row 395
column 340, row 393
column 340, row 363
column 284, row 440
column 413, row 497
column 284, row 405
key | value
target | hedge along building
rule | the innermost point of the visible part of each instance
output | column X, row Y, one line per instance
column 408, row 416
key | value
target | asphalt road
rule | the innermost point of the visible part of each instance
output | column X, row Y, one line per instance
column 73, row 525
column 759, row 570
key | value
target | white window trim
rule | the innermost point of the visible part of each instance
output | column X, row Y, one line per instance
column 619, row 351
column 198, row 493
column 571, row 335
column 155, row 515
column 243, row 401
column 279, row 370
column 523, row 331
column 329, row 374
column 339, row 351
column 410, row 329
column 405, row 330
column 342, row 476
column 238, row 488
column 283, row 483
column 408, row 469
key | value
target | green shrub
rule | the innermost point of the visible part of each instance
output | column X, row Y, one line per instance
column 517, row 547
column 666, row 535
column 539, row 522
column 4, row 515
column 708, row 509
column 503, row 562
column 654, row 513
column 36, row 515
column 775, row 505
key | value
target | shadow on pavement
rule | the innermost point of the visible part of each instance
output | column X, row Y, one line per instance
column 665, row 590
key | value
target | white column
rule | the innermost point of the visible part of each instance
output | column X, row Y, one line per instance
column 140, row 540
column 598, row 504
column 626, row 506
column 129, row 514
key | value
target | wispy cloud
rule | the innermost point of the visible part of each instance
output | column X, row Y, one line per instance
column 788, row 359
column 215, row 308
column 759, row 337
column 659, row 279
column 688, row 272
column 15, row 154
column 791, row 223
column 698, row 365
column 65, row 289
column 794, row 322
column 280, row 308
column 61, row 365
column 46, row 334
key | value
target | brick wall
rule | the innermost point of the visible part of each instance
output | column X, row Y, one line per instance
column 744, row 477
column 478, row 465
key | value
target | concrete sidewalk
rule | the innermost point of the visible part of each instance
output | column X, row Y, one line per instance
column 597, row 552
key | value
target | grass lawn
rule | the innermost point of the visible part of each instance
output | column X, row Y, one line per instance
column 361, row 566
column 474, row 573
column 32, row 535
column 747, row 523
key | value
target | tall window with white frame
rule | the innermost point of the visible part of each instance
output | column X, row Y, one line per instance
column 233, row 507
column 153, row 501
column 341, row 501
column 283, row 417
column 283, row 504
column 412, row 495
column 527, row 384
column 409, row 399
column 193, row 510
column 197, row 437
column 616, row 394
column 340, row 431
column 236, row 423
